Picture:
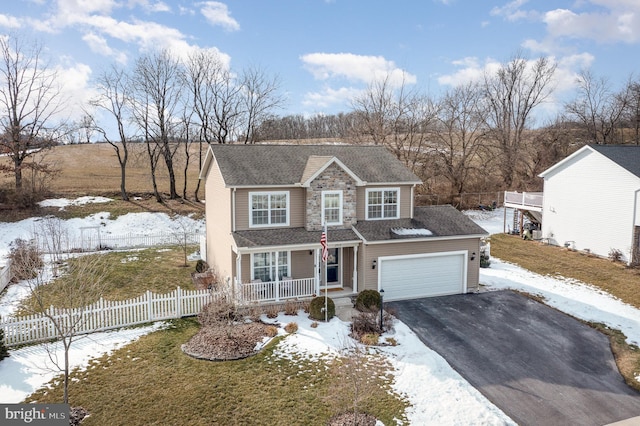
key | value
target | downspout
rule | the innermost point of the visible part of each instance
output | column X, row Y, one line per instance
column 355, row 269
column 233, row 210
column 412, row 199
column 238, row 274
column 634, row 244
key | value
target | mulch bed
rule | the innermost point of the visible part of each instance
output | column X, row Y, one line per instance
column 226, row 342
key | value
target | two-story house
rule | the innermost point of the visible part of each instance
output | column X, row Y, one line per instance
column 266, row 206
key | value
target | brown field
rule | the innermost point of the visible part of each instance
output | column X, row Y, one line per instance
column 93, row 169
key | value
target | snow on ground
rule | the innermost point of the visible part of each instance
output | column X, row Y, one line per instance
column 438, row 395
column 64, row 202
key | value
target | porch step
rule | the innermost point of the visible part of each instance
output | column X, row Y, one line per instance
column 342, row 301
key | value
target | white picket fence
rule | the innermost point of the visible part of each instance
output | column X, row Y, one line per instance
column 105, row 315
column 90, row 240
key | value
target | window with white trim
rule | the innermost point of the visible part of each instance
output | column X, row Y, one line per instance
column 268, row 209
column 383, row 203
column 269, row 265
column 332, row 207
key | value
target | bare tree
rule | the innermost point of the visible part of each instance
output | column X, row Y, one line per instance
column 632, row 113
column 260, row 98
column 217, row 97
column 114, row 98
column 510, row 95
column 80, row 283
column 396, row 117
column 158, row 80
column 460, row 135
column 29, row 100
column 598, row 108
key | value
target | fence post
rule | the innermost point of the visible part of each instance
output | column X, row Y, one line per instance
column 150, row 314
column 179, row 302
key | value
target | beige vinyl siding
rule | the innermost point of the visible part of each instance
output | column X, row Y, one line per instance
column 347, row 266
column 369, row 276
column 297, row 200
column 405, row 200
column 300, row 265
column 218, row 223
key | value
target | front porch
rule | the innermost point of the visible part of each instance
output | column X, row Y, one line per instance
column 287, row 289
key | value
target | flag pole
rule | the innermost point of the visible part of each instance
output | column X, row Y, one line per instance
column 326, row 283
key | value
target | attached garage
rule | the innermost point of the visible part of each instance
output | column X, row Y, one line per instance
column 422, row 275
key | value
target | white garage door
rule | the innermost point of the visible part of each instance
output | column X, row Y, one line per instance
column 424, row 275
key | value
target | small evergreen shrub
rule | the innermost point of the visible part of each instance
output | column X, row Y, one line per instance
column 316, row 308
column 3, row 349
column 484, row 260
column 201, row 266
column 291, row 328
column 368, row 300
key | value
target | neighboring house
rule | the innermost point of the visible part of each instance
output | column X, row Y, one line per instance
column 592, row 200
column 265, row 210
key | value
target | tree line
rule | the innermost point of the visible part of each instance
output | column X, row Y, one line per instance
column 478, row 136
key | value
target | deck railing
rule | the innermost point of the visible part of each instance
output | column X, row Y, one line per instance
column 524, row 199
column 266, row 291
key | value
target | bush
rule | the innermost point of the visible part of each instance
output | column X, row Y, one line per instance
column 316, row 309
column 219, row 313
column 615, row 255
column 291, row 328
column 368, row 323
column 201, row 266
column 272, row 331
column 368, row 300
column 484, row 260
column 25, row 260
column 3, row 349
column 370, row 339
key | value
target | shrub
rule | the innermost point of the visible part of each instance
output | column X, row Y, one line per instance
column 272, row 331
column 272, row 311
column 391, row 341
column 25, row 260
column 369, row 323
column 291, row 307
column 291, row 328
column 218, row 313
column 370, row 339
column 615, row 255
column 484, row 260
column 368, row 300
column 314, row 324
column 316, row 308
column 3, row 349
column 201, row 266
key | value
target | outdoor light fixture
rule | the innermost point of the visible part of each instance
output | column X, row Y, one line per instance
column 310, row 252
column 374, row 263
column 473, row 255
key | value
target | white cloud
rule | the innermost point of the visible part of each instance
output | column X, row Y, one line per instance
column 325, row 66
column 8, row 21
column 158, row 6
column 619, row 22
column 74, row 80
column 98, row 44
column 512, row 11
column 218, row 14
column 328, row 98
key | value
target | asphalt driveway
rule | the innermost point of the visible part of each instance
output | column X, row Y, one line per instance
column 538, row 365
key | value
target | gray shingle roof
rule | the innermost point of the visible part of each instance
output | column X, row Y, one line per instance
column 263, row 165
column 289, row 236
column 627, row 156
column 442, row 221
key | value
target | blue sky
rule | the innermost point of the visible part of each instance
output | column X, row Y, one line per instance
column 327, row 51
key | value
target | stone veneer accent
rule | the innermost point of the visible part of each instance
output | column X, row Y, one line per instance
column 333, row 178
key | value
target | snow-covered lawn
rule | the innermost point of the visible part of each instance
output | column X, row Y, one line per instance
column 438, row 395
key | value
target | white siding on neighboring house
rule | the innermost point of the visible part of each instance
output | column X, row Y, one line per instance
column 589, row 203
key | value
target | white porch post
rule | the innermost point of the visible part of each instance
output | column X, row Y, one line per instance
column 355, row 269
column 316, row 270
column 277, row 278
column 238, row 280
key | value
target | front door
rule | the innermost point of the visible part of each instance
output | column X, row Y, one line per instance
column 333, row 268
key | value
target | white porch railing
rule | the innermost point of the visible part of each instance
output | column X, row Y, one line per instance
column 277, row 290
column 526, row 200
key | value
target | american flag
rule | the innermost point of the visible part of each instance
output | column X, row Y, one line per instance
column 325, row 248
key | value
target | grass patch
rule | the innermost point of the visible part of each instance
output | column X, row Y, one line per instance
column 151, row 381
column 129, row 274
column 613, row 277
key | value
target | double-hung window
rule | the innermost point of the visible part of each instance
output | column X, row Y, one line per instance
column 332, row 207
column 383, row 203
column 268, row 209
column 269, row 265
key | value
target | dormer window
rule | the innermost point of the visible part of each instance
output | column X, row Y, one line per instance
column 269, row 209
column 383, row 203
column 332, row 207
